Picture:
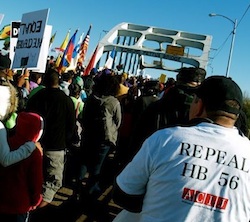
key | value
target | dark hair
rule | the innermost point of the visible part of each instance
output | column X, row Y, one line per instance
column 106, row 85
column 150, row 87
column 4, row 62
column 74, row 89
column 67, row 76
column 34, row 76
column 51, row 78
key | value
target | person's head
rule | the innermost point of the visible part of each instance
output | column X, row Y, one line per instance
column 36, row 77
column 78, row 80
column 191, row 76
column 74, row 90
column 170, row 82
column 5, row 63
column 106, row 71
column 150, row 87
column 68, row 76
column 79, row 64
column 124, row 77
column 218, row 98
column 51, row 79
column 106, row 85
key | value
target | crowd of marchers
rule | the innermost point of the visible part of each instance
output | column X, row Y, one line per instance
column 172, row 142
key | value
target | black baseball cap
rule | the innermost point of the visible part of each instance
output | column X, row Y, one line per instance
column 4, row 62
column 215, row 90
column 191, row 74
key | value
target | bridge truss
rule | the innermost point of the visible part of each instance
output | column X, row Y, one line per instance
column 138, row 47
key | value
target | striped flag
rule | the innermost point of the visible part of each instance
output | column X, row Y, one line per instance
column 77, row 47
column 67, row 55
column 84, row 46
column 75, row 54
column 92, row 63
column 52, row 38
column 61, row 49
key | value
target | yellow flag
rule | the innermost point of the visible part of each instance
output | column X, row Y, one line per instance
column 62, row 48
column 5, row 32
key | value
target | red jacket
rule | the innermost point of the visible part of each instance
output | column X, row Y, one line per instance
column 21, row 183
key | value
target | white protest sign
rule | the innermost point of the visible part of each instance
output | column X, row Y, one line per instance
column 42, row 61
column 30, row 38
column 13, row 38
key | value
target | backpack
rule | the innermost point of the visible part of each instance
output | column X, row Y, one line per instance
column 93, row 121
column 174, row 108
column 171, row 110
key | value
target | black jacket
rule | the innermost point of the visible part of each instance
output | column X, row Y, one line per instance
column 57, row 110
column 171, row 110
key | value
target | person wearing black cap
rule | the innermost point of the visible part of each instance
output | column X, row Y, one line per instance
column 170, row 110
column 190, row 173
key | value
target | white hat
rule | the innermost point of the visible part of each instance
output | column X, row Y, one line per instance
column 8, row 101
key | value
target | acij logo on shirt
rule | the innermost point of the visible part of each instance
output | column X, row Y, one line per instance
column 204, row 198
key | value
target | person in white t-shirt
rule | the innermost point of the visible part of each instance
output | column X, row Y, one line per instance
column 198, row 172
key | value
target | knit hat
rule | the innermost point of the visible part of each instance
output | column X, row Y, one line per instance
column 215, row 90
column 29, row 127
column 191, row 74
column 106, row 71
column 78, row 80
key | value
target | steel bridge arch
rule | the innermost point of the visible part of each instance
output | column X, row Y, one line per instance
column 134, row 43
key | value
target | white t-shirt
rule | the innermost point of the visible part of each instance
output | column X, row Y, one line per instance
column 198, row 173
column 6, row 157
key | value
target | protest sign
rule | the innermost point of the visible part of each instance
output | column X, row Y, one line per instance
column 30, row 39
column 15, row 25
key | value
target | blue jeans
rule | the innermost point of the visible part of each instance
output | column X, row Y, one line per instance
column 14, row 217
column 95, row 170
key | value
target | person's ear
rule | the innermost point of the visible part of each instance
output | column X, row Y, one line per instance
column 197, row 108
column 200, row 107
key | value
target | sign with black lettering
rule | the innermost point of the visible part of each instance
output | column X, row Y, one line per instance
column 15, row 26
column 41, row 66
column 30, row 38
column 15, row 29
column 175, row 50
